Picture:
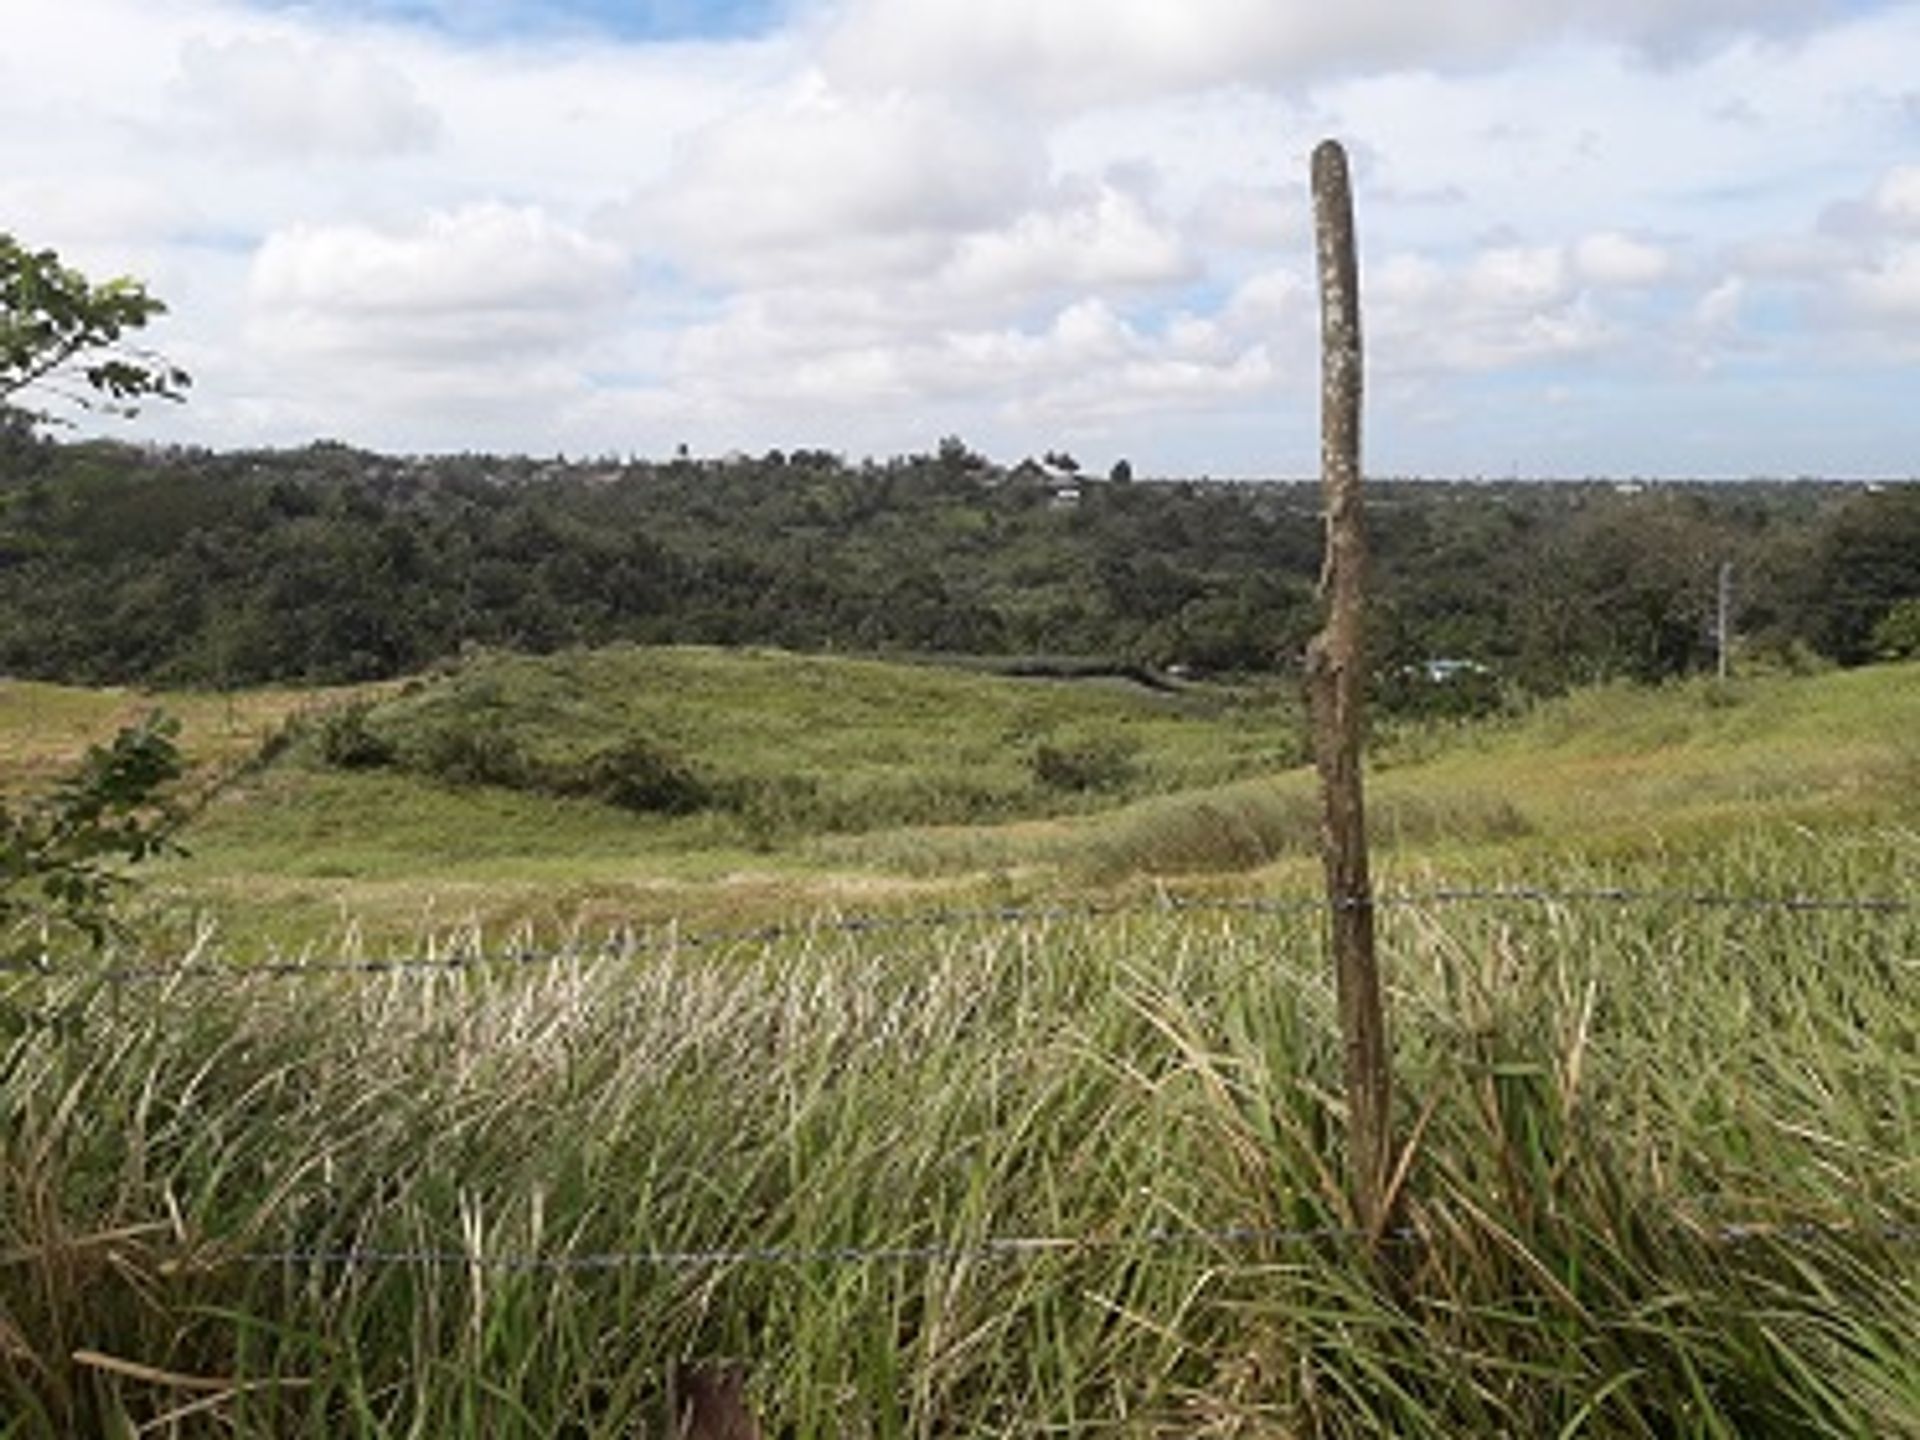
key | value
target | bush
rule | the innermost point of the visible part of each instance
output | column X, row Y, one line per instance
column 1104, row 763
column 1438, row 691
column 773, row 805
column 637, row 774
column 348, row 742
column 1227, row 830
column 464, row 753
column 1896, row 636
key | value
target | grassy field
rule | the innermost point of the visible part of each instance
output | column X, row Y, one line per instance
column 1663, row 1172
column 45, row 728
column 798, row 753
column 833, row 782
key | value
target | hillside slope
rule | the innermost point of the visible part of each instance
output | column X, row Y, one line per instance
column 634, row 784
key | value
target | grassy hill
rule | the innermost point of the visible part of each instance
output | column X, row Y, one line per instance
column 596, row 787
column 631, row 785
column 1066, row 1172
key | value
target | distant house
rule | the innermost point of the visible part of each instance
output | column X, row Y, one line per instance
column 1064, row 497
column 1447, row 671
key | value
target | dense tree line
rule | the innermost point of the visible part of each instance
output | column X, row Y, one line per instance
column 327, row 563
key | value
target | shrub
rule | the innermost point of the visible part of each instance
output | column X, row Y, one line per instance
column 1103, row 763
column 348, row 742
column 465, row 753
column 1896, row 636
column 773, row 805
column 1236, row 829
column 637, row 774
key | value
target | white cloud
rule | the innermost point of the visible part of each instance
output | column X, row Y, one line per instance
column 819, row 184
column 893, row 218
column 1062, row 54
column 1097, row 237
column 1896, row 199
column 1083, row 365
column 1719, row 308
column 1248, row 217
column 96, row 210
column 299, row 99
column 1856, row 274
column 459, row 289
column 1612, row 259
column 1508, row 278
column 1500, row 308
column 1268, row 299
column 1885, row 288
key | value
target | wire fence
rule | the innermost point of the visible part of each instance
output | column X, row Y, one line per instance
column 630, row 942
column 669, row 937
column 992, row 1248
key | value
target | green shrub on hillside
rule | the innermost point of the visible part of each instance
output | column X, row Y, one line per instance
column 463, row 753
column 348, row 742
column 634, row 773
column 468, row 744
column 1102, row 763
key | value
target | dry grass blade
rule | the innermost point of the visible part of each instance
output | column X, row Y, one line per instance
column 172, row 1379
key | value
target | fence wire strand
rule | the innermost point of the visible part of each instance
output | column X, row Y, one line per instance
column 993, row 1248
column 669, row 936
column 1003, row 1247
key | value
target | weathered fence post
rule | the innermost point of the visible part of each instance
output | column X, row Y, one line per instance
column 709, row 1403
column 1336, row 682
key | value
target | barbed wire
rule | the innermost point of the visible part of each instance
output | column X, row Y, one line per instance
column 1003, row 1247
column 669, row 936
column 992, row 1248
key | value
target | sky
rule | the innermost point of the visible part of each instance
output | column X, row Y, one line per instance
column 1619, row 238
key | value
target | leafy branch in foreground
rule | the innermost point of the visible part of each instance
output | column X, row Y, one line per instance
column 58, row 328
column 63, row 335
column 60, row 854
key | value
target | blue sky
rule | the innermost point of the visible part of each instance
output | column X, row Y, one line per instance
column 1613, row 237
column 624, row 20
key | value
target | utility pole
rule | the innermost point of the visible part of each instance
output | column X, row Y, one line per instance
column 1336, row 683
column 1722, row 617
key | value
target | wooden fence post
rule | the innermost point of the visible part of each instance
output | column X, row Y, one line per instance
column 1336, row 682
column 709, row 1403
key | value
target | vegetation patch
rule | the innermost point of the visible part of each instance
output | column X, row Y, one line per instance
column 1663, row 1182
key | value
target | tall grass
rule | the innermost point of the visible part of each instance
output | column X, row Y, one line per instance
column 1663, row 1184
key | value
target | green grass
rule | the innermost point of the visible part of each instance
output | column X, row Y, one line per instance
column 1615, row 772
column 879, row 738
column 1599, row 1093
column 45, row 728
column 838, row 778
column 798, row 750
column 1665, row 1159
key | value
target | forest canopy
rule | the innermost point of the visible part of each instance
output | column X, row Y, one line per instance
column 328, row 563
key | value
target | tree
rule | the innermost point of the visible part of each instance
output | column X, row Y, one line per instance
column 1897, row 634
column 1868, row 562
column 64, row 336
column 58, row 852
column 954, row 454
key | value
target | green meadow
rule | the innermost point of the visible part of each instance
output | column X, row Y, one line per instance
column 1070, row 1170
column 511, row 796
